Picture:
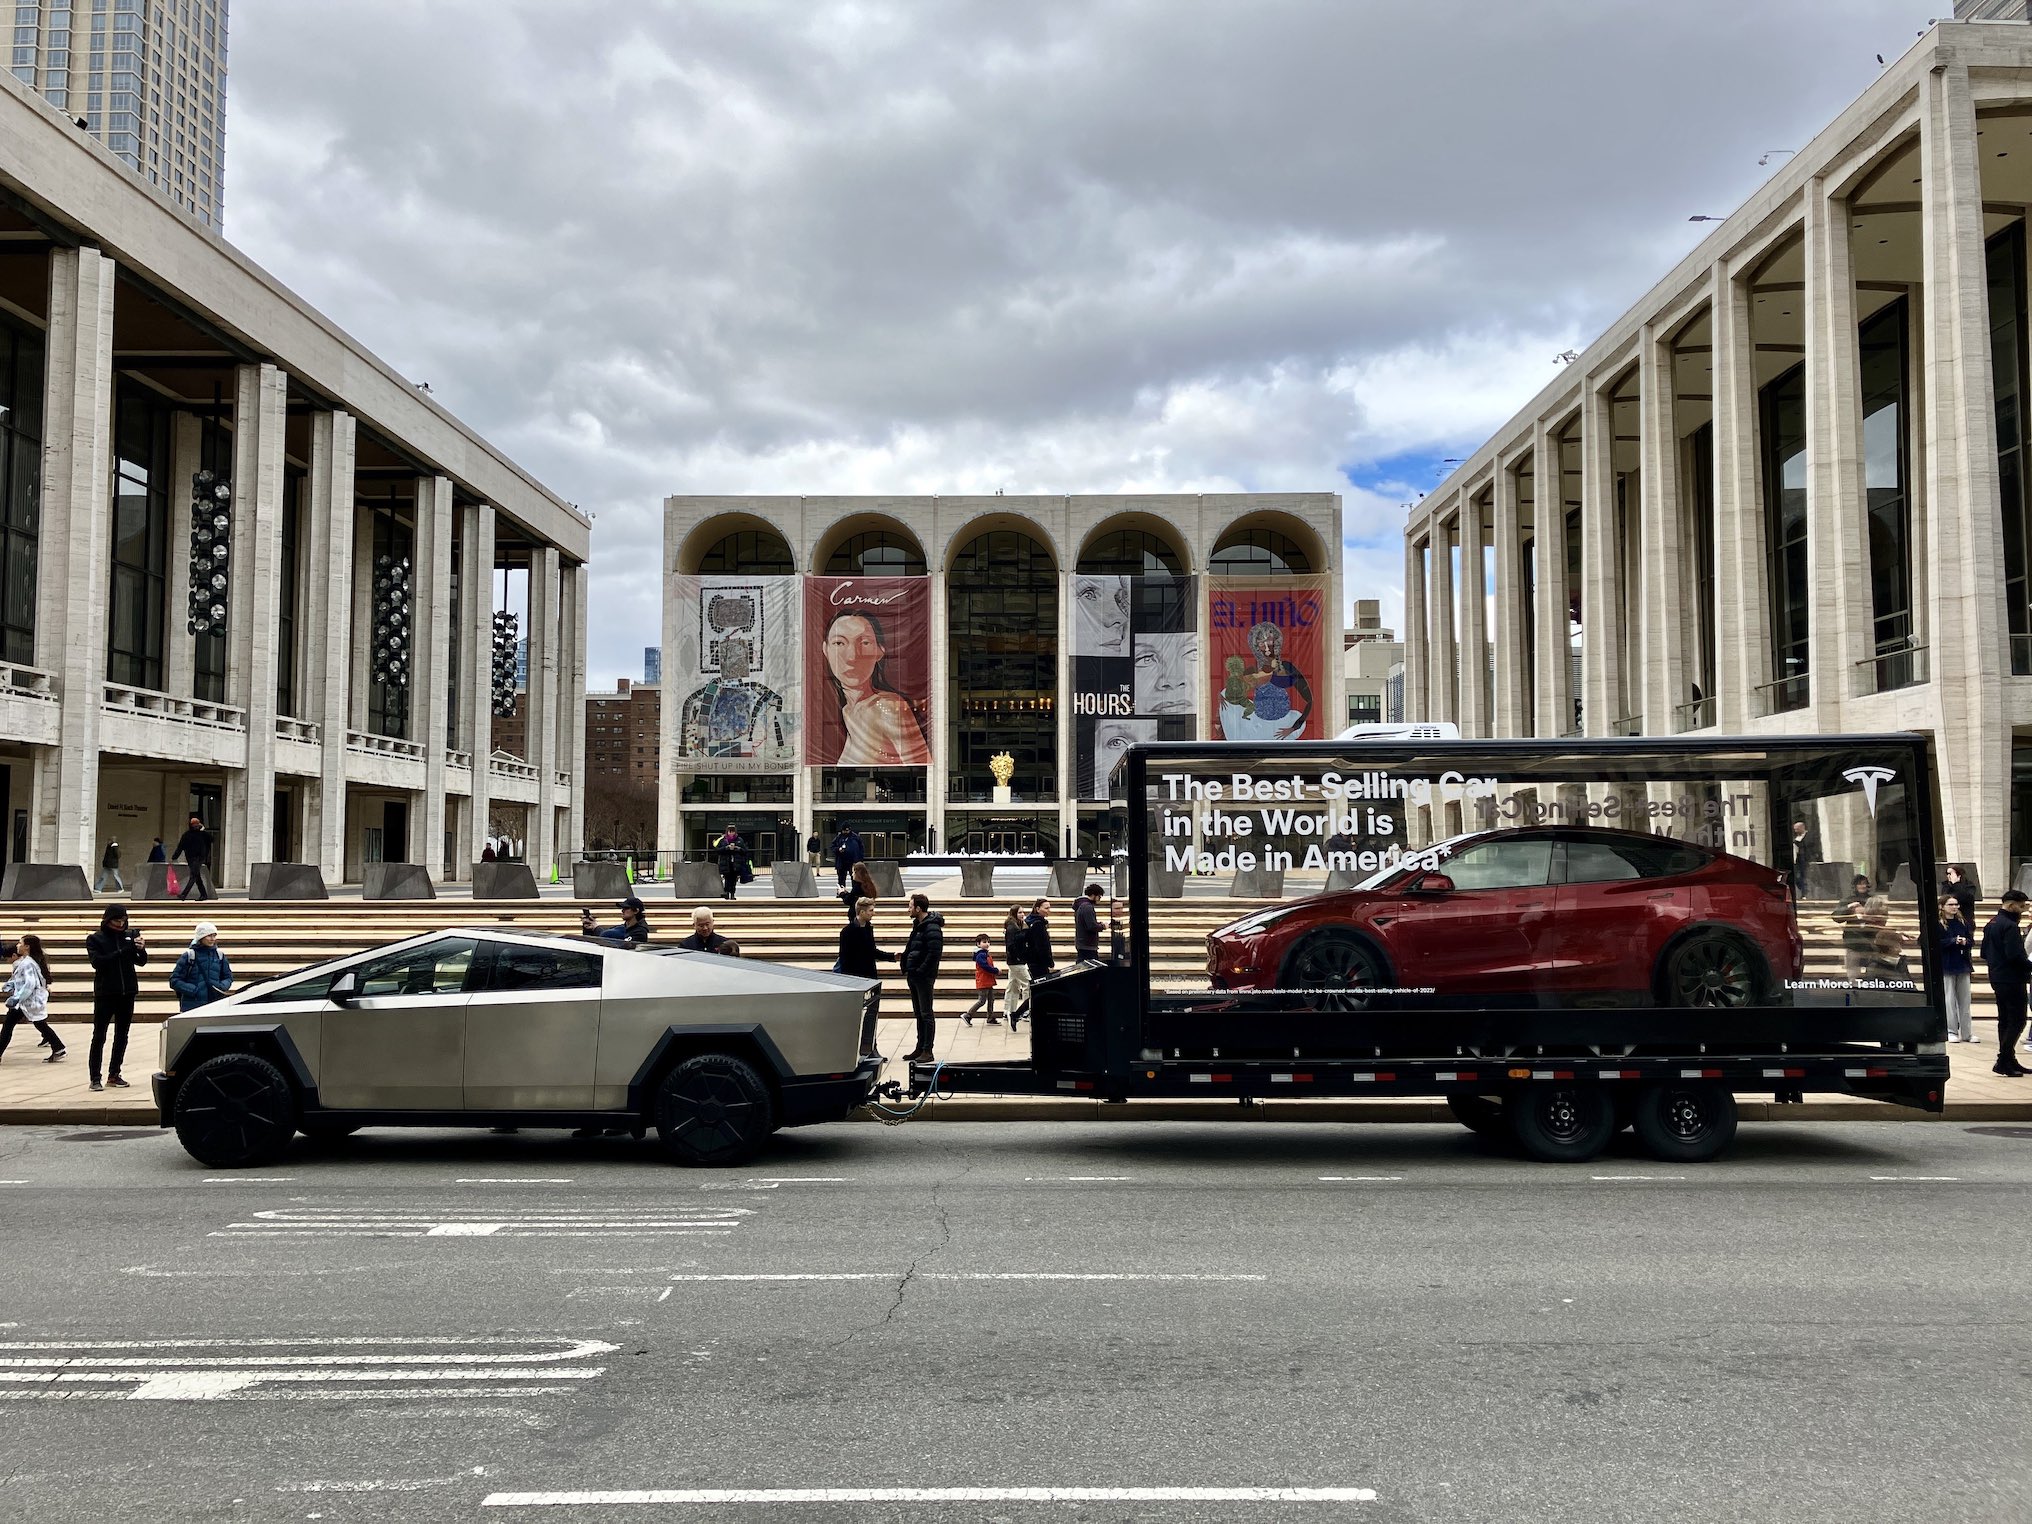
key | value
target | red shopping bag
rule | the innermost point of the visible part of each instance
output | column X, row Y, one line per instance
column 174, row 886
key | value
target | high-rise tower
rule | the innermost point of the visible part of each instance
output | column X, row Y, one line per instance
column 147, row 77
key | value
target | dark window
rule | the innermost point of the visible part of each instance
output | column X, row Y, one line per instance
column 542, row 968
column 1885, row 431
column 388, row 703
column 303, row 989
column 21, row 382
column 441, row 967
column 1003, row 599
column 1130, row 553
column 1259, row 553
column 750, row 553
column 208, row 651
column 876, row 553
column 289, row 575
column 2007, row 364
column 1595, row 862
column 1365, row 709
column 1783, row 404
column 140, row 560
column 1703, row 500
column 1660, row 857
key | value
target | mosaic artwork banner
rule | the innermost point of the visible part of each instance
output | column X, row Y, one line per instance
column 734, row 674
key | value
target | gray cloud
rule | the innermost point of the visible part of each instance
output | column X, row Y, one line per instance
column 1068, row 245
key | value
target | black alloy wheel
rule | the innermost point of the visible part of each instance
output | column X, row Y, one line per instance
column 714, row 1109
column 1560, row 1125
column 1711, row 970
column 1686, row 1124
column 1333, row 971
column 235, row 1111
column 1479, row 1114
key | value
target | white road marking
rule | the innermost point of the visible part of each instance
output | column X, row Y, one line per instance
column 1368, row 1179
column 1073, row 1179
column 1934, row 1179
column 800, row 1179
column 512, row 1180
column 256, row 1369
column 13, row 1182
column 417, row 1484
column 577, row 1221
column 666, row 1294
column 1636, row 1177
column 983, row 1275
column 248, row 1179
column 939, row 1495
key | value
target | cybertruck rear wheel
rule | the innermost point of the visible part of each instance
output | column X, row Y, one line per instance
column 714, row 1109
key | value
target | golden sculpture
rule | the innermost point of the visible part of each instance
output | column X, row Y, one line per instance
column 1003, row 766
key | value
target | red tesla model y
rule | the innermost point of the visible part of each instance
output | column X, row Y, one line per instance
column 1547, row 915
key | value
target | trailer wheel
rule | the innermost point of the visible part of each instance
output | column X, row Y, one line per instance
column 1711, row 970
column 1686, row 1124
column 1560, row 1125
column 1340, row 969
column 1481, row 1115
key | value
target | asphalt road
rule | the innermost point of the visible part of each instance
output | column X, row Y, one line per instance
column 1396, row 1321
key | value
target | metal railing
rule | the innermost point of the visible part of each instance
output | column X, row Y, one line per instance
column 127, row 699
column 1697, row 715
column 1628, row 725
column 1901, row 665
column 1785, row 695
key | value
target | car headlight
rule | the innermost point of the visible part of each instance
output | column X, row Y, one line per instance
column 1255, row 925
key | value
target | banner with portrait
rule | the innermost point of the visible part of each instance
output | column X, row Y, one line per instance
column 734, row 678
column 1135, row 669
column 1267, row 658
column 867, row 667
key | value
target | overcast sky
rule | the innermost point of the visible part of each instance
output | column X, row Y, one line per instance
column 948, row 247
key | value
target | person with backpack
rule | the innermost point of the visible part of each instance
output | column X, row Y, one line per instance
column 1016, row 954
column 202, row 973
column 28, row 997
column 985, row 975
column 921, row 955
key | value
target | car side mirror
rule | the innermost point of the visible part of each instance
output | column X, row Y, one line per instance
column 345, row 989
column 1435, row 883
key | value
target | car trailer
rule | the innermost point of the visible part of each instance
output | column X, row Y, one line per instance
column 1558, row 1046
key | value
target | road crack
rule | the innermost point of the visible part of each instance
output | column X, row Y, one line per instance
column 943, row 1215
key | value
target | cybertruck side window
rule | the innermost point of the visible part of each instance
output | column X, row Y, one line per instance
column 436, row 968
column 542, row 968
column 303, row 989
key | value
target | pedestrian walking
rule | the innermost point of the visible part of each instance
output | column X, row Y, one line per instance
column 28, row 997
column 921, row 955
column 704, row 939
column 1859, row 937
column 1016, row 954
column 1957, row 944
column 985, row 977
column 1956, row 885
column 1804, row 851
column 634, row 927
column 201, row 973
column 2008, row 967
column 847, row 850
column 860, row 886
column 1086, row 925
column 195, row 848
column 1118, row 933
column 116, row 953
column 158, row 853
column 859, row 956
column 733, row 856
column 1037, row 950
column 109, row 868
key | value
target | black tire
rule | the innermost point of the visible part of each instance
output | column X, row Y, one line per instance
column 235, row 1111
column 1560, row 1124
column 1686, row 1124
column 1481, row 1115
column 321, row 1130
column 1711, row 970
column 714, row 1109
column 1339, row 963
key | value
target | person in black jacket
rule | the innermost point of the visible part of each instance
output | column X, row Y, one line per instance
column 921, row 954
column 847, row 850
column 1037, row 952
column 195, row 848
column 858, row 956
column 704, row 939
column 860, row 886
column 1955, row 886
column 115, row 954
column 1086, row 925
column 2009, row 968
column 733, row 856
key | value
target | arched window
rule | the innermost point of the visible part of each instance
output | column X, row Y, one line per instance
column 876, row 553
column 1130, row 553
column 748, row 553
column 1259, row 552
column 1002, row 598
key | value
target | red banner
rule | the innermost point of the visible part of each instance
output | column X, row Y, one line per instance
column 867, row 671
column 1267, row 650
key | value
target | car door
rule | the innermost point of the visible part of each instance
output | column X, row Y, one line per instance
column 1489, row 934
column 398, row 1044
column 1611, row 916
column 533, row 1028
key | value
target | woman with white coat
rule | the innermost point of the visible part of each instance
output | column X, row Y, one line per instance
column 28, row 997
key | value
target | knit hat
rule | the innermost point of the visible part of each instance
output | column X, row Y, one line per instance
column 204, row 929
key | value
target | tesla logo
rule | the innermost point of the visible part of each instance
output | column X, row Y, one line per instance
column 1869, row 777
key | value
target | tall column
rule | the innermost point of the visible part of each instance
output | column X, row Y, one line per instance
column 1551, row 614
column 541, row 701
column 328, row 617
column 572, row 733
column 941, row 698
column 1417, row 639
column 1474, row 619
column 669, row 785
column 1968, row 625
column 1840, row 618
column 1601, row 615
column 1443, row 671
column 74, row 548
column 254, row 617
column 1662, row 683
column 1742, row 605
column 430, row 659
column 1507, row 634
column 179, row 645
column 476, row 680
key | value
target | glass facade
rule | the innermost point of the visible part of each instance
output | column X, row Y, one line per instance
column 140, row 560
column 388, row 703
column 287, row 591
column 749, row 552
column 21, row 379
column 1002, row 601
column 1782, row 410
column 1886, row 420
column 875, row 553
column 1259, row 552
column 2007, row 364
column 1700, row 710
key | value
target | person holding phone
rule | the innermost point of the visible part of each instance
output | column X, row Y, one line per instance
column 116, row 952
